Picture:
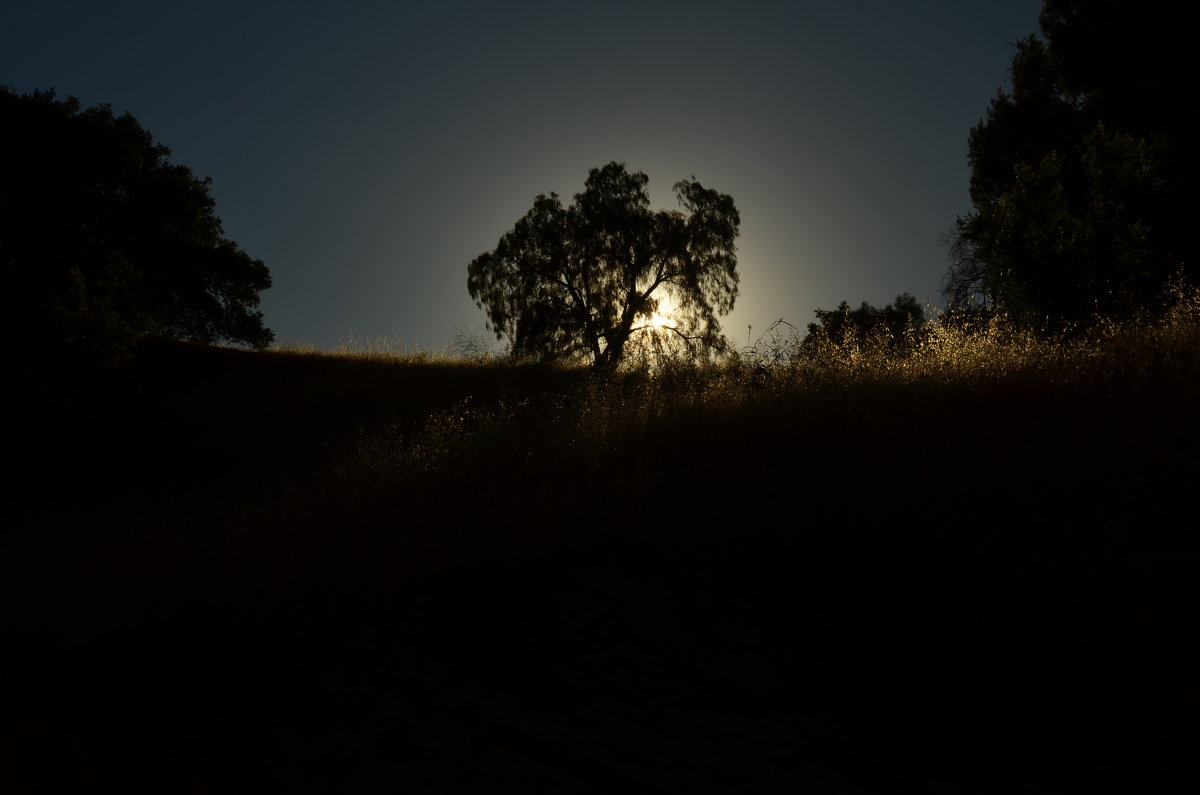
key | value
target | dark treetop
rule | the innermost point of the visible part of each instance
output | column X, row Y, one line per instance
column 1083, row 175
column 104, row 241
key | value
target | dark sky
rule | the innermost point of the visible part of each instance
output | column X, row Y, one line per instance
column 367, row 151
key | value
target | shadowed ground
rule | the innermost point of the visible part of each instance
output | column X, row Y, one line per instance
column 790, row 624
column 720, row 671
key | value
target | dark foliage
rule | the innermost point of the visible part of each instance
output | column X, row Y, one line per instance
column 897, row 325
column 104, row 241
column 1081, row 174
column 578, row 282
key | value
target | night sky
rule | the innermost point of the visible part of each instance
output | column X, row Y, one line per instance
column 367, row 151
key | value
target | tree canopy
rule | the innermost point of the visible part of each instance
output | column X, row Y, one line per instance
column 1081, row 174
column 582, row 281
column 104, row 241
column 896, row 325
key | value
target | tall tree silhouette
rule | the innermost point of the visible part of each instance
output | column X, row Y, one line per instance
column 577, row 282
column 1082, row 174
column 104, row 241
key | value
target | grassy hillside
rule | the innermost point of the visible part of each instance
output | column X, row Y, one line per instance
column 961, row 569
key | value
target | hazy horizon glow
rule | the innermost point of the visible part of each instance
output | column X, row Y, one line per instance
column 368, row 151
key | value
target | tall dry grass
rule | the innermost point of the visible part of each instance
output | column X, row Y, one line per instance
column 683, row 437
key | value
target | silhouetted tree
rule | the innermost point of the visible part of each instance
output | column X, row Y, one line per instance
column 1082, row 174
column 897, row 325
column 104, row 241
column 577, row 282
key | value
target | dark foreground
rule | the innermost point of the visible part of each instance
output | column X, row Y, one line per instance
column 660, row 669
column 923, row 630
